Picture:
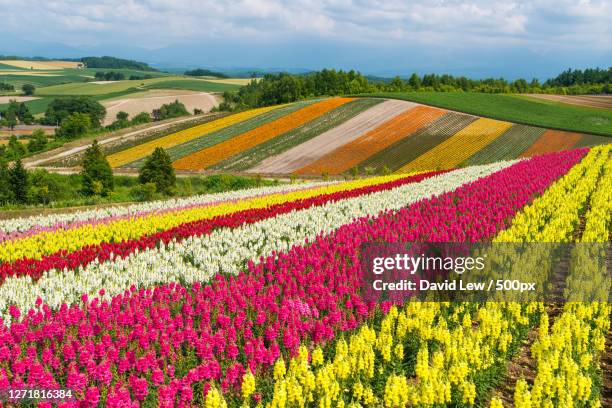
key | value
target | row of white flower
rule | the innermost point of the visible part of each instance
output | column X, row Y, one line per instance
column 225, row 250
column 24, row 224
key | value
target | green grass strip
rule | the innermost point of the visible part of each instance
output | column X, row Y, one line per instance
column 221, row 135
column 508, row 146
column 409, row 148
column 297, row 136
column 517, row 109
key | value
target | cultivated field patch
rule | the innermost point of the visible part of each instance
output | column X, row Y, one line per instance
column 305, row 153
column 595, row 101
column 553, row 141
column 460, row 146
column 385, row 135
column 150, row 100
column 510, row 145
column 226, row 133
column 140, row 151
column 213, row 155
column 423, row 140
column 295, row 137
column 43, row 65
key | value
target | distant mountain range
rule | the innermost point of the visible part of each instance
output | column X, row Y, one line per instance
column 304, row 55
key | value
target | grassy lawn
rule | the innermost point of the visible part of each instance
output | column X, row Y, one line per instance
column 516, row 109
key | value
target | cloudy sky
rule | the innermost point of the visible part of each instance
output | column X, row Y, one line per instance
column 480, row 38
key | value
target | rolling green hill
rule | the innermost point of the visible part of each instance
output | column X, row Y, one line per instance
column 516, row 109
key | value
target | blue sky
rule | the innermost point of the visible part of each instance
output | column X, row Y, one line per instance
column 478, row 38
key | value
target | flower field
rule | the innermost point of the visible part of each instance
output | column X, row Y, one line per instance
column 214, row 154
column 253, row 298
column 183, row 136
column 353, row 153
column 460, row 146
column 337, row 135
column 551, row 141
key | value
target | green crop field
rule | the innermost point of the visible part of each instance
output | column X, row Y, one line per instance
column 516, row 109
column 93, row 89
column 200, row 85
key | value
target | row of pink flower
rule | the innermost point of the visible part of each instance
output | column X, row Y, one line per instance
column 111, row 250
column 161, row 342
column 38, row 229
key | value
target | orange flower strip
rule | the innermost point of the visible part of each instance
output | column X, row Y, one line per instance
column 214, row 154
column 142, row 150
column 553, row 141
column 393, row 130
column 460, row 146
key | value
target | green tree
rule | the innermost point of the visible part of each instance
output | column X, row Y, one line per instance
column 74, row 126
column 38, row 141
column 414, row 81
column 28, row 89
column 6, row 193
column 60, row 108
column 97, row 175
column 18, row 177
column 158, row 169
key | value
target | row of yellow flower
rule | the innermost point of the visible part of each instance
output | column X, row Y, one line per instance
column 366, row 369
column 38, row 245
column 553, row 216
column 567, row 356
column 183, row 136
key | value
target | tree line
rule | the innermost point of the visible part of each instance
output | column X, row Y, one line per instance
column 283, row 87
column 205, row 72
column 117, row 63
column 119, row 76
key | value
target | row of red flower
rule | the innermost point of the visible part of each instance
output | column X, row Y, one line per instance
column 160, row 343
column 107, row 250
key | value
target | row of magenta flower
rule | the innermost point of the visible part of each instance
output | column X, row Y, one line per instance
column 173, row 341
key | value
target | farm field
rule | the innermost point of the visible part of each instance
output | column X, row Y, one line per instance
column 108, row 87
column 517, row 109
column 147, row 101
column 256, row 297
column 40, row 65
column 236, row 145
column 595, row 101
column 339, row 136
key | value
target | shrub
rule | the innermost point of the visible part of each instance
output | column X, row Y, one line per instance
column 28, row 89
column 142, row 117
column 143, row 192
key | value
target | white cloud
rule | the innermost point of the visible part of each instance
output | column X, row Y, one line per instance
column 535, row 24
